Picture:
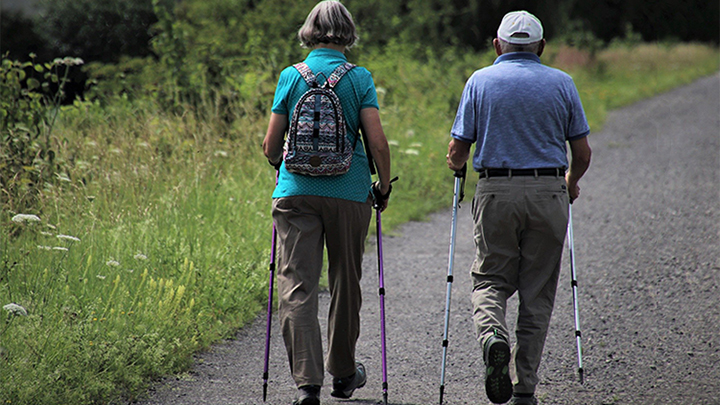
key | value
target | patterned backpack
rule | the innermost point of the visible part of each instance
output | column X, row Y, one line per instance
column 317, row 144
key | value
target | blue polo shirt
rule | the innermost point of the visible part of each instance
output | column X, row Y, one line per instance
column 520, row 113
column 356, row 91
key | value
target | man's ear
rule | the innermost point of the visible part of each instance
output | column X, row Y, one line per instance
column 541, row 48
column 496, row 45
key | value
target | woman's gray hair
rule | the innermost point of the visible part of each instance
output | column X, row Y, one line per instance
column 507, row 47
column 328, row 22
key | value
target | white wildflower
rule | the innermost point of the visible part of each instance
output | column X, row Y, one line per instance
column 100, row 276
column 393, row 142
column 411, row 152
column 221, row 153
column 20, row 218
column 68, row 61
column 15, row 309
column 44, row 247
column 410, row 133
column 68, row 237
column 60, row 248
column 416, row 145
column 46, row 233
column 140, row 256
column 112, row 263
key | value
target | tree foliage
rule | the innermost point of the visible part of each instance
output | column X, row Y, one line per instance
column 97, row 30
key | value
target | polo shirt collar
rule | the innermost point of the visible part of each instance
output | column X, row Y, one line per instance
column 326, row 52
column 517, row 56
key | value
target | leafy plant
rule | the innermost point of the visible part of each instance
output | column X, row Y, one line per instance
column 28, row 109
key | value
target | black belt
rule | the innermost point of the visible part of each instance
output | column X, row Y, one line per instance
column 557, row 172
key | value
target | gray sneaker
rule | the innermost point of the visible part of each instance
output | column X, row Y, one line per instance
column 524, row 400
column 344, row 387
column 498, row 385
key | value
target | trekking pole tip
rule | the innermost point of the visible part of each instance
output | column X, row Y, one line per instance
column 580, row 373
column 264, row 391
column 442, row 391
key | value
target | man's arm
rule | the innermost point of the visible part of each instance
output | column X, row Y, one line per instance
column 580, row 161
column 458, row 153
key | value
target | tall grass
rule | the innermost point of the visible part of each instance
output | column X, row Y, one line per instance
column 155, row 241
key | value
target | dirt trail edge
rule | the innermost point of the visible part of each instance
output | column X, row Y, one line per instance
column 648, row 259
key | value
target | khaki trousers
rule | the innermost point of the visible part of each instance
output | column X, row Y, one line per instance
column 520, row 227
column 304, row 225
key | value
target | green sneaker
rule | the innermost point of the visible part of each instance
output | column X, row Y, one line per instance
column 498, row 386
column 344, row 387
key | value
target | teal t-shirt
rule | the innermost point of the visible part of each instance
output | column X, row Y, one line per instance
column 356, row 91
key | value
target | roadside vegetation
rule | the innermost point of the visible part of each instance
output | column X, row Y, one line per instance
column 135, row 224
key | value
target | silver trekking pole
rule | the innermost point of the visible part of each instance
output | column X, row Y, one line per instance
column 573, row 273
column 458, row 196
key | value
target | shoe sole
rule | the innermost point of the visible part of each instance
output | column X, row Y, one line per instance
column 307, row 401
column 498, row 386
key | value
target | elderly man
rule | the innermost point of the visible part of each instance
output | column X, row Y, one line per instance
column 521, row 115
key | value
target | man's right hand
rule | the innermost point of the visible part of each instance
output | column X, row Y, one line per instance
column 573, row 189
column 458, row 153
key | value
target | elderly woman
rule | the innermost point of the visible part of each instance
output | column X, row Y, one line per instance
column 311, row 212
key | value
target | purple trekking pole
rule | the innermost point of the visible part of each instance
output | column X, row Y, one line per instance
column 377, row 204
column 269, row 307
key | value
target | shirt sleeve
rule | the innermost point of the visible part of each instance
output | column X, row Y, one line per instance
column 280, row 102
column 578, row 126
column 464, row 127
column 369, row 98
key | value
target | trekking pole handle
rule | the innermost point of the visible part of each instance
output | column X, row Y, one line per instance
column 461, row 174
column 276, row 165
column 378, row 197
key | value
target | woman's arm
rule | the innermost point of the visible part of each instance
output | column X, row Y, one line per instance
column 273, row 142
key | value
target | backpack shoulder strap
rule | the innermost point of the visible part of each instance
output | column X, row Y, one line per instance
column 306, row 73
column 338, row 74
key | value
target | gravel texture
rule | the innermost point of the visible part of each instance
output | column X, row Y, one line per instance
column 648, row 260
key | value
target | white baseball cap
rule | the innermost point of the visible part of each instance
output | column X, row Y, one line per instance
column 520, row 28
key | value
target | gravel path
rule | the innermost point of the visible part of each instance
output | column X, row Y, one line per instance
column 646, row 240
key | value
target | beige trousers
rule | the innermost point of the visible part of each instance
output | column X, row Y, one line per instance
column 520, row 227
column 304, row 225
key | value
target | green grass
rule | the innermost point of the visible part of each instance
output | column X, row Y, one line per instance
column 170, row 218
